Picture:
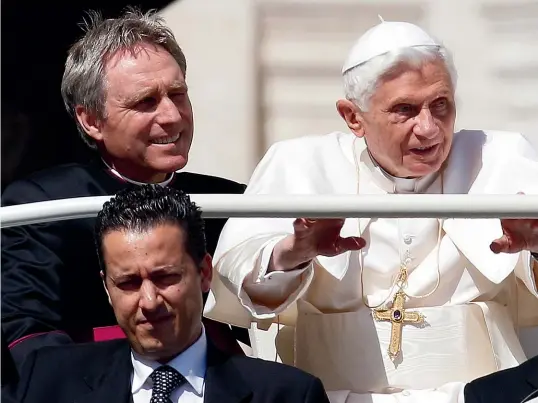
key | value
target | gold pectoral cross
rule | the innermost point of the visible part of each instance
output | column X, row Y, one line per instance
column 398, row 316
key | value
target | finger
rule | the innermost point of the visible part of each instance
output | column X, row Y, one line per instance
column 350, row 243
column 300, row 225
column 330, row 223
column 520, row 193
column 323, row 223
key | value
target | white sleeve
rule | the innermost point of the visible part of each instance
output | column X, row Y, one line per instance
column 286, row 287
column 297, row 166
column 449, row 393
column 245, row 267
column 524, row 271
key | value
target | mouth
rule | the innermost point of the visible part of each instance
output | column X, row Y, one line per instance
column 166, row 140
column 425, row 151
column 156, row 321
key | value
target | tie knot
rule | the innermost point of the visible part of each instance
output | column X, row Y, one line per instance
column 165, row 380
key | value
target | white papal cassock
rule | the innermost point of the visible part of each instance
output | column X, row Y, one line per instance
column 471, row 319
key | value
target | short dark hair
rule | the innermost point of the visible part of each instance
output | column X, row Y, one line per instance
column 143, row 207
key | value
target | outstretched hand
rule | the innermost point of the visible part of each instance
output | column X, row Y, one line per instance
column 518, row 235
column 311, row 238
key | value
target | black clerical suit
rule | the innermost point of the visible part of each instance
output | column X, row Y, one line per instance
column 51, row 289
column 101, row 373
column 513, row 385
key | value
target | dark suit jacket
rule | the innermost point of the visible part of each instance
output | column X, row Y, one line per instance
column 51, row 289
column 101, row 372
column 508, row 386
column 9, row 371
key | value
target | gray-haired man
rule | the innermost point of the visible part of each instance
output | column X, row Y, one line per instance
column 390, row 310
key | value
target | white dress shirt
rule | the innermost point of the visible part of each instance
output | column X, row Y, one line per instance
column 191, row 364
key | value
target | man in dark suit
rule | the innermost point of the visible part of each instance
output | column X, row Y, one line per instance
column 124, row 83
column 514, row 385
column 155, row 268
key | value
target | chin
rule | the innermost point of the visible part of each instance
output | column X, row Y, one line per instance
column 170, row 164
column 422, row 170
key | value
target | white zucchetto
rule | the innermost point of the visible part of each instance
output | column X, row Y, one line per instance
column 385, row 37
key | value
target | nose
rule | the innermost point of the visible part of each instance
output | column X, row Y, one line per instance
column 168, row 112
column 149, row 297
column 425, row 125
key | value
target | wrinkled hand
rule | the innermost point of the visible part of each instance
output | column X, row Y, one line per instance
column 518, row 235
column 313, row 238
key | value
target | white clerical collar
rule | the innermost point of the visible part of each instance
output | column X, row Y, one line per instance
column 191, row 363
column 392, row 184
column 126, row 179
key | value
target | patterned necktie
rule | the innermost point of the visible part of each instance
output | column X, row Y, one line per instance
column 165, row 380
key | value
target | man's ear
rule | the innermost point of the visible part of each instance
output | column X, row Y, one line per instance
column 206, row 273
column 89, row 123
column 103, row 278
column 352, row 116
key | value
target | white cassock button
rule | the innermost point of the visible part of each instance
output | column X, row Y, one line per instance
column 408, row 239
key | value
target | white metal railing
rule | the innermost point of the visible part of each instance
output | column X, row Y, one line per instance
column 312, row 206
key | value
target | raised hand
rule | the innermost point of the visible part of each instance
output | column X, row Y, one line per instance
column 312, row 238
column 518, row 235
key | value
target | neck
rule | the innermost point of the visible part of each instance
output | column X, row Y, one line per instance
column 166, row 359
column 141, row 175
column 386, row 171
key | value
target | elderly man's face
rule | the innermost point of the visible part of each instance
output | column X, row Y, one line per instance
column 148, row 128
column 409, row 125
column 155, row 289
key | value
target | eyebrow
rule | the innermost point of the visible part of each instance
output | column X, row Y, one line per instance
column 148, row 91
column 122, row 278
column 153, row 271
column 410, row 99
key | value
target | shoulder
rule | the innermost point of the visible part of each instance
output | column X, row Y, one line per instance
column 306, row 145
column 80, row 352
column 60, row 368
column 199, row 183
column 47, row 184
column 274, row 374
column 72, row 359
column 305, row 154
column 501, row 143
column 492, row 162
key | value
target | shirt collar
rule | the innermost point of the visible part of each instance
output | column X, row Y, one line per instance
column 126, row 179
column 392, row 184
column 191, row 363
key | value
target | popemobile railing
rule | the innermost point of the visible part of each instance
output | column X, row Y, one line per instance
column 311, row 206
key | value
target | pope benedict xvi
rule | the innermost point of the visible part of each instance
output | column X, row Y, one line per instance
column 389, row 310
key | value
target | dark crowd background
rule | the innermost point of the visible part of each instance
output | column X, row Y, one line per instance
column 36, row 130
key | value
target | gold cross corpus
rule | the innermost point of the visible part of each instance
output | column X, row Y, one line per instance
column 398, row 316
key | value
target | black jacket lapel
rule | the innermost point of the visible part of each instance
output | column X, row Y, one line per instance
column 111, row 380
column 223, row 383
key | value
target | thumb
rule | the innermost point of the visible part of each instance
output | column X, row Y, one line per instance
column 350, row 243
column 501, row 244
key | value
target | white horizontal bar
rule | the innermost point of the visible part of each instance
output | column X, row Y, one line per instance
column 312, row 206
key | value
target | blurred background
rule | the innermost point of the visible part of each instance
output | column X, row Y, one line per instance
column 260, row 71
